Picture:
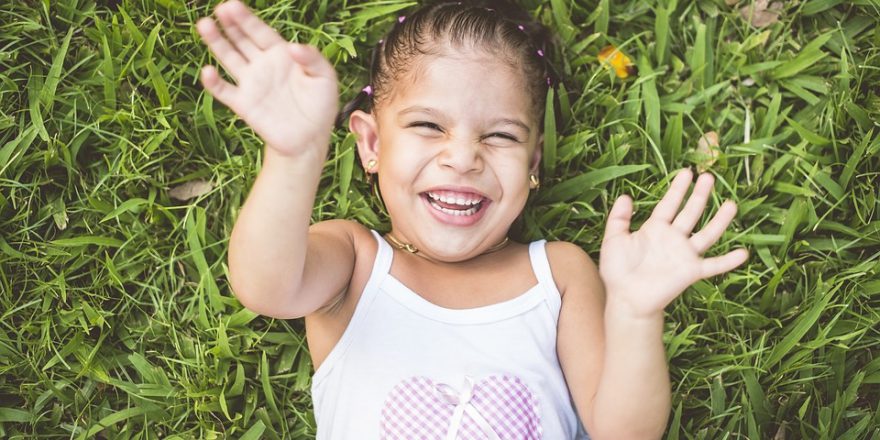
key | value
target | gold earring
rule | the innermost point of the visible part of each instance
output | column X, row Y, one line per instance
column 370, row 165
column 533, row 181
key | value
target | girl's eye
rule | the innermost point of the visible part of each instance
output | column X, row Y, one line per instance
column 505, row 136
column 425, row 124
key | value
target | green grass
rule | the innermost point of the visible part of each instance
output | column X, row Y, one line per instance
column 117, row 318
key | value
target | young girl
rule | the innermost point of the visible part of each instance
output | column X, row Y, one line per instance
column 443, row 328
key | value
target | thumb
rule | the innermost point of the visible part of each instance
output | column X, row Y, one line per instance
column 619, row 218
column 311, row 60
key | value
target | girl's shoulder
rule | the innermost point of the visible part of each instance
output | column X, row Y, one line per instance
column 572, row 268
column 359, row 244
column 360, row 237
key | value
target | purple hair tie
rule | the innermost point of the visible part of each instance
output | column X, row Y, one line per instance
column 368, row 89
column 401, row 18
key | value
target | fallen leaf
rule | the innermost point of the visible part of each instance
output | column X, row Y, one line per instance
column 780, row 433
column 707, row 151
column 759, row 14
column 59, row 214
column 617, row 60
column 188, row 190
column 61, row 220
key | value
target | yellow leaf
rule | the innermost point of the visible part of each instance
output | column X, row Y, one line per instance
column 617, row 60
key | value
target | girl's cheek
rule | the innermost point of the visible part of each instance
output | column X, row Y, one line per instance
column 412, row 155
column 513, row 160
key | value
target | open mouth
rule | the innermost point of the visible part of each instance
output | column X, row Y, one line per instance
column 455, row 204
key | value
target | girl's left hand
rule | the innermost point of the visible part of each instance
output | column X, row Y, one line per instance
column 645, row 270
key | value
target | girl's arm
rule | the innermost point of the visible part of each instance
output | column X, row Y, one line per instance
column 287, row 93
column 611, row 323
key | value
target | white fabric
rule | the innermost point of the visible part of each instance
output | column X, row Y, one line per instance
column 395, row 334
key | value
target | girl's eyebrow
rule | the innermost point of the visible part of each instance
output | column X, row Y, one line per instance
column 439, row 114
column 420, row 109
column 516, row 122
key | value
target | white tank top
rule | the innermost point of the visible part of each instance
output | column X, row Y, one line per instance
column 407, row 369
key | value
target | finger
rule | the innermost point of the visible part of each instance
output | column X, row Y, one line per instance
column 706, row 237
column 668, row 206
column 217, row 87
column 311, row 60
column 619, row 218
column 710, row 267
column 228, row 56
column 230, row 21
column 696, row 204
column 256, row 30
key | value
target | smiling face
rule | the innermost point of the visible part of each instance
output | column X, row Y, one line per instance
column 454, row 152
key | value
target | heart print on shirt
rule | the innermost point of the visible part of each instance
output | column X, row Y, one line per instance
column 495, row 408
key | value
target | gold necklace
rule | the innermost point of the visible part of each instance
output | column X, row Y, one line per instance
column 414, row 250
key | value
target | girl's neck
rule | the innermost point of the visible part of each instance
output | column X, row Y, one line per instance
column 410, row 249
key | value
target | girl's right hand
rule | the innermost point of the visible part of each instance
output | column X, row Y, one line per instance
column 286, row 92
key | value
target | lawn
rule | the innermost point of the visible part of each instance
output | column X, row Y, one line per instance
column 120, row 181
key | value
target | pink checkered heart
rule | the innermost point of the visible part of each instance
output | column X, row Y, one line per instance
column 495, row 408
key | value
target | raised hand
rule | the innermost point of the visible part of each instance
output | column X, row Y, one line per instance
column 645, row 270
column 286, row 92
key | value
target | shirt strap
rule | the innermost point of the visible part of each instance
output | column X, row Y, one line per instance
column 541, row 267
column 385, row 254
column 381, row 266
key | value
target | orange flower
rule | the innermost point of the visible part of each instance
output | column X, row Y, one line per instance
column 618, row 61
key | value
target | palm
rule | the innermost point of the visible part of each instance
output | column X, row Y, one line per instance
column 274, row 92
column 286, row 93
column 655, row 253
column 647, row 269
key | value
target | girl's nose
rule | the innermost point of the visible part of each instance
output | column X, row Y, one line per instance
column 462, row 156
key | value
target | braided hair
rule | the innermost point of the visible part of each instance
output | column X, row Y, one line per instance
column 499, row 26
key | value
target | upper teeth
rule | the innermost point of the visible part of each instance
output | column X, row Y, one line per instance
column 454, row 200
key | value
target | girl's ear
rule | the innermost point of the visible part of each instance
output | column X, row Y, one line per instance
column 365, row 129
column 535, row 162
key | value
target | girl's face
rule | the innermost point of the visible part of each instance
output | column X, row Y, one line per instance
column 454, row 154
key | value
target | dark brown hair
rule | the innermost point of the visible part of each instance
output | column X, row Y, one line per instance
column 499, row 27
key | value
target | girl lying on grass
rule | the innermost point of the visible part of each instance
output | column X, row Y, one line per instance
column 444, row 328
